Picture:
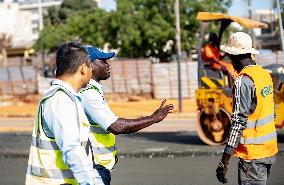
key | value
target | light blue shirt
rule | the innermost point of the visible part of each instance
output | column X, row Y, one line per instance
column 60, row 122
column 96, row 107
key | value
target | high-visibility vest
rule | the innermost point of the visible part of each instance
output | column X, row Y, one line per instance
column 103, row 142
column 45, row 164
column 259, row 138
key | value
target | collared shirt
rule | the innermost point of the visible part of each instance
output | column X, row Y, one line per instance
column 60, row 122
column 244, row 101
column 96, row 106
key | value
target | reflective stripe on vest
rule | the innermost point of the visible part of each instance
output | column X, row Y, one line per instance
column 97, row 129
column 49, row 145
column 259, row 140
column 104, row 150
column 50, row 173
column 43, row 144
column 260, row 122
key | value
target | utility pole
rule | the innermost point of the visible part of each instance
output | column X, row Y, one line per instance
column 280, row 25
column 249, row 9
column 178, row 49
column 40, row 27
column 40, row 15
column 250, row 16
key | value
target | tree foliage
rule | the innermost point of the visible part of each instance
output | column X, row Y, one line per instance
column 66, row 22
column 138, row 28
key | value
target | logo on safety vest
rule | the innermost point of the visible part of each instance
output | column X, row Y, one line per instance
column 267, row 90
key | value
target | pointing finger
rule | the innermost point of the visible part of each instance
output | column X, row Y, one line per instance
column 164, row 102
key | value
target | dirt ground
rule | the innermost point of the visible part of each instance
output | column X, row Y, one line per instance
column 123, row 107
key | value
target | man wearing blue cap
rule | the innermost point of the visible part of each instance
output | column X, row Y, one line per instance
column 104, row 123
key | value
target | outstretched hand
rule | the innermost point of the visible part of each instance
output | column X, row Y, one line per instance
column 162, row 111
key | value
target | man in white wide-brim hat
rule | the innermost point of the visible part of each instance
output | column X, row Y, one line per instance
column 252, row 137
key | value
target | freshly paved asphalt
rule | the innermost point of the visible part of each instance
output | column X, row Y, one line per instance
column 153, row 171
column 167, row 153
column 139, row 145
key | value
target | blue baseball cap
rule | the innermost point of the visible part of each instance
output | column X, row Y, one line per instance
column 97, row 53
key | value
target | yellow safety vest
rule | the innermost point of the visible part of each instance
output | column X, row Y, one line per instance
column 259, row 138
column 103, row 142
column 45, row 164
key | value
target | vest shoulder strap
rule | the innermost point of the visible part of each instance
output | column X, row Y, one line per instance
column 91, row 87
column 53, row 91
column 46, row 96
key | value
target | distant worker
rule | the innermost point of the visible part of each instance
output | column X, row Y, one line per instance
column 211, row 54
column 60, row 152
column 104, row 123
column 252, row 137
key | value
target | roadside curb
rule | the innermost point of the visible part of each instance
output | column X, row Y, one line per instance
column 176, row 154
column 14, row 155
column 165, row 154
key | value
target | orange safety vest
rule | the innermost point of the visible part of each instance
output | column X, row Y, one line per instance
column 211, row 53
column 259, row 138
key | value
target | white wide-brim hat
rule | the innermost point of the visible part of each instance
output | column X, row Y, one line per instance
column 239, row 43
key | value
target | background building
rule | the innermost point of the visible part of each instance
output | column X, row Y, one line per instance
column 33, row 6
column 36, row 9
column 269, row 37
column 16, row 23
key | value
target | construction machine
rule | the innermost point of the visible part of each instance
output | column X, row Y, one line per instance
column 277, row 73
column 214, row 93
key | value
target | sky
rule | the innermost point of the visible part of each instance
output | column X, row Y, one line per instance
column 238, row 8
column 107, row 4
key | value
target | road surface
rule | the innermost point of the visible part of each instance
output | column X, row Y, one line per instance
column 152, row 171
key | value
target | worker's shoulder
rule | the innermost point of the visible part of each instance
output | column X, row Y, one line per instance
column 91, row 95
column 60, row 97
column 89, row 87
column 244, row 80
column 60, row 103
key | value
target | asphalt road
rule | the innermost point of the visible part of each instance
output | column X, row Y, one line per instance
column 152, row 171
column 169, row 153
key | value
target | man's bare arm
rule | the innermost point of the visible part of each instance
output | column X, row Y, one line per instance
column 127, row 126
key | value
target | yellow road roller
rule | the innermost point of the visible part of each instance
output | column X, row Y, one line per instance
column 214, row 94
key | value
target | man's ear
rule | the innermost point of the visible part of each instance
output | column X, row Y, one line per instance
column 83, row 68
